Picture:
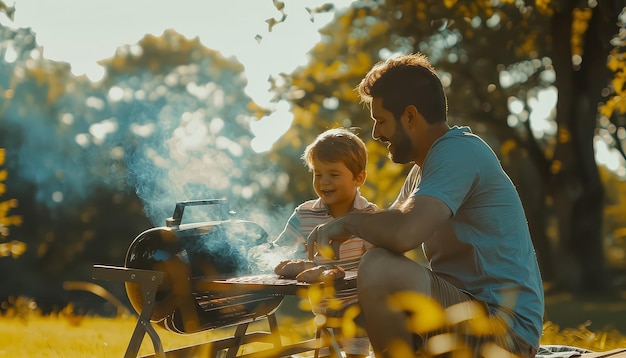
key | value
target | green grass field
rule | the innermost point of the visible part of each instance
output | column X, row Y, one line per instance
column 65, row 335
column 594, row 323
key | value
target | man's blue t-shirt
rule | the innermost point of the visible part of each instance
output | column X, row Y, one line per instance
column 485, row 248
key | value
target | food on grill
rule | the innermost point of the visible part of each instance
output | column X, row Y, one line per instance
column 291, row 268
column 322, row 273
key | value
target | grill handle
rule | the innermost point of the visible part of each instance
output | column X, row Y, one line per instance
column 177, row 217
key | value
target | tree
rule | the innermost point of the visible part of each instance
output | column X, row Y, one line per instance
column 190, row 130
column 95, row 164
column 12, row 248
column 496, row 60
column 613, row 121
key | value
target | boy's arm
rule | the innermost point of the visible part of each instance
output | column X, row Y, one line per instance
column 291, row 236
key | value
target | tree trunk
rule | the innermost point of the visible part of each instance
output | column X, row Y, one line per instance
column 588, row 209
column 577, row 188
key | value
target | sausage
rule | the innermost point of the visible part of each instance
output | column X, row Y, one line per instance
column 322, row 273
column 332, row 274
column 291, row 268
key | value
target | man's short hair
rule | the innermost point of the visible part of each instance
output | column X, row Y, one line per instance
column 406, row 80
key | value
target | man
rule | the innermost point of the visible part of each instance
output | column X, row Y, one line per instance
column 462, row 209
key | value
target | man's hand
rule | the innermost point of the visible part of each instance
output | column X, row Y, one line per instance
column 326, row 239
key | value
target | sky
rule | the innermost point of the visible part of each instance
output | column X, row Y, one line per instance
column 82, row 32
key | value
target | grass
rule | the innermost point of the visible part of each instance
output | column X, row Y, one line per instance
column 62, row 335
column 25, row 332
column 66, row 335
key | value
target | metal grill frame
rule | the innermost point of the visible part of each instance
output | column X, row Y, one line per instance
column 150, row 280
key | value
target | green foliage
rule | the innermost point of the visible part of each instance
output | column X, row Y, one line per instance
column 13, row 248
column 95, row 164
column 498, row 60
column 614, row 230
column 613, row 121
column 9, row 11
column 458, row 37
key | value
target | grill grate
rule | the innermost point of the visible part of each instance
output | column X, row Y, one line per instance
column 265, row 283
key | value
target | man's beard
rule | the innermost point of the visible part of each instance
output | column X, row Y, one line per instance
column 402, row 147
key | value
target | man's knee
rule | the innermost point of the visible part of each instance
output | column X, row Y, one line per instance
column 373, row 256
column 373, row 262
column 381, row 268
column 372, row 270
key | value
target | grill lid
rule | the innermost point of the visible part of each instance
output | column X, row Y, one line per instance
column 184, row 252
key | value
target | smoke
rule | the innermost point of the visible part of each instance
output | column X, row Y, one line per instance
column 265, row 257
column 179, row 135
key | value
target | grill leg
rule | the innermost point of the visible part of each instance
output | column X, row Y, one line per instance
column 149, row 282
column 330, row 337
column 239, row 333
column 143, row 326
column 318, row 335
column 274, row 330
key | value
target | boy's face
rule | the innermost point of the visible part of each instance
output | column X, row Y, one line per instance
column 335, row 185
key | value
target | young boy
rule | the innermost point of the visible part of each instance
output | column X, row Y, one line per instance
column 337, row 159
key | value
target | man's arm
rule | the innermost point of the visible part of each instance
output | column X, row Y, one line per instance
column 397, row 230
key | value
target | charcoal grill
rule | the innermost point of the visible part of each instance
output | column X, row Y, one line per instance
column 194, row 277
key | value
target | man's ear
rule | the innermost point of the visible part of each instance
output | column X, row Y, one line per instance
column 412, row 114
column 414, row 118
column 360, row 178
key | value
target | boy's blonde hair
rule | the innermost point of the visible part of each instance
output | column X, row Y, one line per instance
column 337, row 145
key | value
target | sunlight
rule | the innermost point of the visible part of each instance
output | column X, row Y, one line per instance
column 67, row 118
column 270, row 128
column 506, row 80
column 95, row 103
column 10, row 55
column 82, row 139
column 234, row 28
column 216, row 125
column 99, row 131
column 516, row 106
column 609, row 157
column 192, row 134
column 201, row 92
column 116, row 94
column 57, row 196
column 142, row 130
column 234, row 148
column 542, row 111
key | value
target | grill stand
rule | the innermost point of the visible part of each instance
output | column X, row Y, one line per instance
column 149, row 282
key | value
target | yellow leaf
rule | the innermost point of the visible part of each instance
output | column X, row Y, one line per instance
column 487, row 325
column 564, row 135
column 348, row 326
column 607, row 109
column 425, row 313
column 507, row 146
column 613, row 63
column 620, row 104
column 618, row 83
column 449, row 3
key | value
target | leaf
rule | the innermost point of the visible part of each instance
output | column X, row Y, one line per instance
column 425, row 314
column 9, row 11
